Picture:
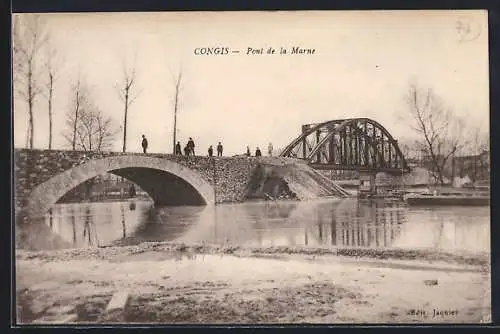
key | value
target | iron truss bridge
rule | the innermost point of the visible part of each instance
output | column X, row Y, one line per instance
column 357, row 144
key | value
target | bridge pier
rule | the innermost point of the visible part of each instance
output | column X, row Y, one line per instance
column 367, row 184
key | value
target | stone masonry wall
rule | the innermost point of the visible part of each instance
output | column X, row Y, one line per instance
column 232, row 177
column 229, row 175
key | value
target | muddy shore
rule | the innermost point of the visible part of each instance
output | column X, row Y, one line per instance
column 172, row 283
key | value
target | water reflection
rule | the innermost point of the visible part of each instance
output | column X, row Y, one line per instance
column 323, row 223
column 356, row 224
column 73, row 224
column 124, row 227
column 87, row 224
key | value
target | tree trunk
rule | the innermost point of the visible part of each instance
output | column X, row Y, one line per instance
column 125, row 123
column 27, row 137
column 91, row 121
column 175, row 127
column 99, row 142
column 175, row 111
column 90, row 141
column 474, row 169
column 440, row 175
column 51, row 85
column 76, row 120
column 73, row 144
column 30, row 107
column 31, row 127
column 452, row 169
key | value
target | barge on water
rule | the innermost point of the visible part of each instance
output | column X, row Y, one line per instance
column 469, row 199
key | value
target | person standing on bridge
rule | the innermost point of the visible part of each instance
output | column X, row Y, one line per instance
column 258, row 153
column 210, row 151
column 248, row 151
column 270, row 149
column 144, row 144
column 219, row 150
column 178, row 150
column 187, row 150
column 190, row 145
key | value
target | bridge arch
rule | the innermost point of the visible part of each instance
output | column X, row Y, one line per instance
column 153, row 175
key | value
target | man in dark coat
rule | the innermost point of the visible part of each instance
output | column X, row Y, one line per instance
column 178, row 150
column 144, row 144
column 258, row 153
column 219, row 150
column 186, row 150
column 210, row 151
column 191, row 145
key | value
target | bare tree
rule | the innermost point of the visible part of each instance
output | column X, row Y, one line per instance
column 106, row 131
column 177, row 80
column 477, row 145
column 128, row 93
column 88, row 129
column 79, row 94
column 29, row 36
column 438, row 130
column 479, row 141
column 409, row 148
column 96, row 131
column 52, row 71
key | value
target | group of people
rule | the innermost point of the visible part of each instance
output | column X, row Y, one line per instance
column 258, row 152
column 219, row 150
column 189, row 148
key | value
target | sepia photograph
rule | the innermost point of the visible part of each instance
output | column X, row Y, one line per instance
column 249, row 168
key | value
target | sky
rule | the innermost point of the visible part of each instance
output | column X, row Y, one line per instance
column 362, row 66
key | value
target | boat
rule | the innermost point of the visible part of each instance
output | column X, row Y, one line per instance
column 459, row 199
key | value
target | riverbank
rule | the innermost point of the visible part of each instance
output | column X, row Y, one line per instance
column 199, row 283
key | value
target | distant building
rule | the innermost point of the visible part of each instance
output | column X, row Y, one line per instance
column 477, row 167
column 413, row 162
column 102, row 187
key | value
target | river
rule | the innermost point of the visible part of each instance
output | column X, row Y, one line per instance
column 321, row 223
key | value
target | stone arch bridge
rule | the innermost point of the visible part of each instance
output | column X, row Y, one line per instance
column 42, row 177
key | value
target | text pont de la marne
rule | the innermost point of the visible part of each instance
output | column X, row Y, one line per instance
column 282, row 51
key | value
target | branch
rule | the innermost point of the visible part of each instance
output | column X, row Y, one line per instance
column 134, row 97
column 126, row 88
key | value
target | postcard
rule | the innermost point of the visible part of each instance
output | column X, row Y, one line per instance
column 279, row 167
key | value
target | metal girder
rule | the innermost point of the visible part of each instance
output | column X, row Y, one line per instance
column 350, row 144
column 354, row 168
